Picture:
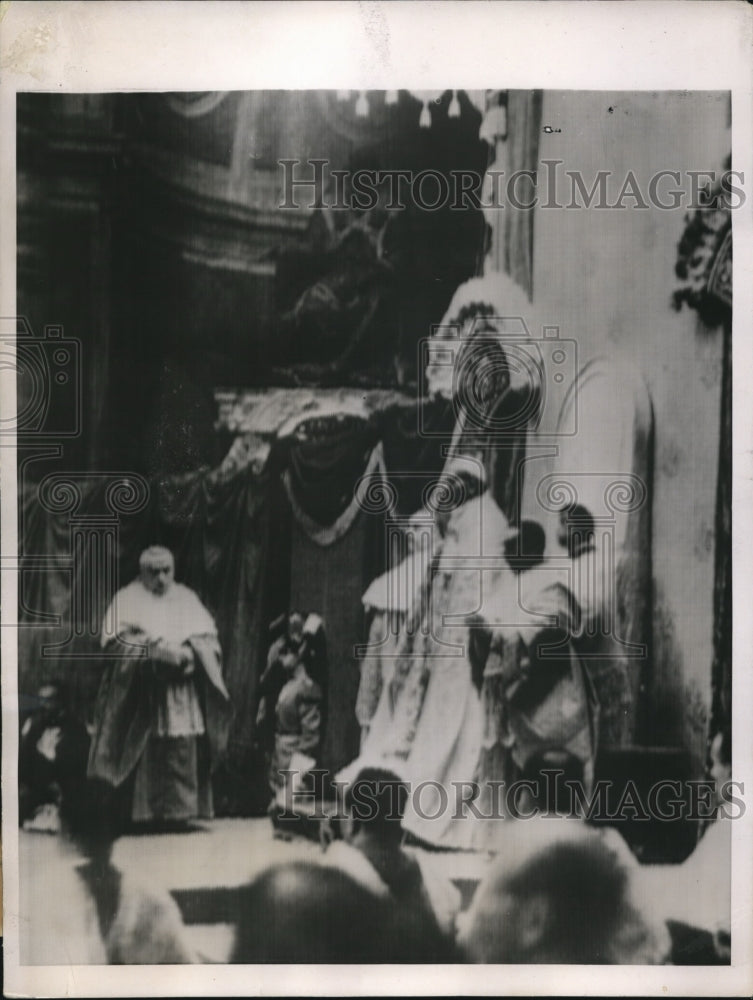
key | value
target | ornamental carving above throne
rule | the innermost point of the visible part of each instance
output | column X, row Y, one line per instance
column 704, row 257
column 720, row 278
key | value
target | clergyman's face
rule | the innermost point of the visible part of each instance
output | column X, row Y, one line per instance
column 158, row 576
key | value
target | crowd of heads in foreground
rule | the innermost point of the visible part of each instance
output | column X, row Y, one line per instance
column 559, row 893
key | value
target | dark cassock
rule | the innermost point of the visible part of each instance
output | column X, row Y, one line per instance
column 162, row 711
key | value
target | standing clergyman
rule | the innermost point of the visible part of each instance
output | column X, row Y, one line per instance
column 162, row 709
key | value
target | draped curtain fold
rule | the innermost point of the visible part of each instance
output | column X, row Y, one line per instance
column 335, row 551
column 324, row 467
column 252, row 543
column 222, row 534
column 234, row 544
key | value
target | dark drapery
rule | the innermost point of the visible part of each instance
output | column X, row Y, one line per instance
column 324, row 464
column 61, row 601
column 230, row 545
column 413, row 441
column 252, row 543
column 335, row 552
column 330, row 581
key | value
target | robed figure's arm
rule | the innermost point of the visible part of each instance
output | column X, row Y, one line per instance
column 124, row 711
column 124, row 708
column 216, row 701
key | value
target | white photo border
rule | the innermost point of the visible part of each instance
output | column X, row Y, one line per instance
column 153, row 46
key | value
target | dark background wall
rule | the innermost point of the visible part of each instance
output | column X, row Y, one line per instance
column 149, row 229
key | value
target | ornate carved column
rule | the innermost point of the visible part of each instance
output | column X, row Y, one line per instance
column 93, row 551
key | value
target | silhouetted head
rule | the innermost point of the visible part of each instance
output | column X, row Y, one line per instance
column 157, row 569
column 50, row 696
column 565, row 901
column 295, row 628
column 462, row 480
column 526, row 548
column 89, row 817
column 547, row 773
column 49, row 701
column 576, row 530
column 375, row 803
column 302, row 912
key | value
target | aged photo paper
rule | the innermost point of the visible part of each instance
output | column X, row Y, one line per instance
column 376, row 498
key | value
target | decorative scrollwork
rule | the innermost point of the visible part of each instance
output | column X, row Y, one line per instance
column 555, row 493
column 375, row 495
column 444, row 494
column 720, row 278
column 124, row 493
column 480, row 377
column 60, row 493
column 704, row 254
column 626, row 494
column 127, row 494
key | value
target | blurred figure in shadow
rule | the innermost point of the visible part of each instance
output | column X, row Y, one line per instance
column 303, row 912
column 560, row 896
column 52, row 756
column 290, row 715
column 137, row 924
column 537, row 694
column 372, row 852
column 523, row 550
column 702, row 896
column 547, row 784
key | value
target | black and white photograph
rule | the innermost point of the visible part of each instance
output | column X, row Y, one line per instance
column 370, row 510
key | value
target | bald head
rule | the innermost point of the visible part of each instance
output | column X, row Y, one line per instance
column 301, row 911
column 157, row 569
column 568, row 901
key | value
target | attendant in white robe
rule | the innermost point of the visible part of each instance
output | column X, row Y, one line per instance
column 162, row 710
column 429, row 724
column 388, row 602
